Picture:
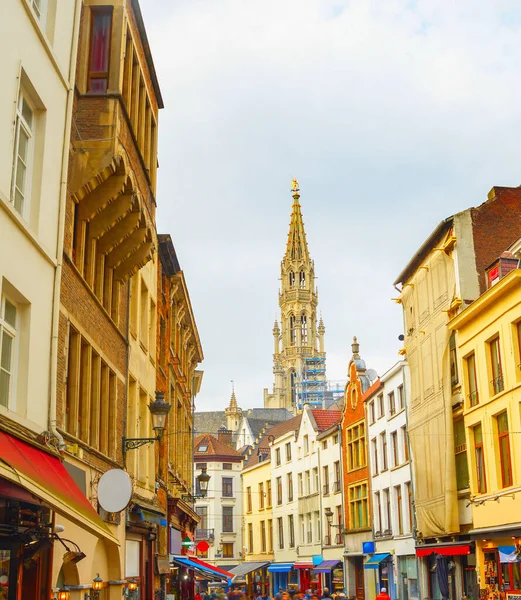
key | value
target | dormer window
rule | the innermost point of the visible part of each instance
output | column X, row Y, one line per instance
column 501, row 267
column 202, row 448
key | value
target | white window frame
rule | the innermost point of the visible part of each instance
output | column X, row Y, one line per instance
column 12, row 333
column 39, row 8
column 21, row 123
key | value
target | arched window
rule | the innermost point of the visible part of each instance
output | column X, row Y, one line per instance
column 292, row 331
column 291, row 279
column 303, row 330
column 302, row 279
column 293, row 387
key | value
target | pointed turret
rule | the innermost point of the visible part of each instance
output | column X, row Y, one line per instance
column 297, row 247
column 321, row 331
column 233, row 412
column 276, row 337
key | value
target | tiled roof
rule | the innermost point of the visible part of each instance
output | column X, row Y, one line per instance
column 326, row 418
column 209, row 421
column 370, row 391
column 283, row 428
column 258, row 456
column 214, row 447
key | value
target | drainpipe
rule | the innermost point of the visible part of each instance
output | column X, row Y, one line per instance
column 53, row 370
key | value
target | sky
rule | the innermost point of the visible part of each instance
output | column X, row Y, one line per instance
column 392, row 115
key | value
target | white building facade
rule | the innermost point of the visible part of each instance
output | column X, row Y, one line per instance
column 221, row 511
column 394, row 561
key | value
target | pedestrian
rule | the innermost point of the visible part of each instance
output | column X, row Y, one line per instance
column 383, row 595
column 325, row 593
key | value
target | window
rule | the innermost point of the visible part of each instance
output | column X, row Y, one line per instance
column 316, row 484
column 383, row 444
column 394, row 446
column 308, row 483
column 309, row 524
column 374, row 450
column 227, row 466
column 263, row 536
column 358, row 506
column 270, row 535
column 23, row 154
column 261, row 495
column 399, row 508
column 228, row 519
column 401, row 398
column 324, row 445
column 303, row 330
column 302, row 279
column 454, row 379
column 291, row 527
column 372, row 416
column 279, row 491
column 317, row 526
column 495, row 364
column 387, row 499
column 472, row 382
column 460, row 451
column 356, row 447
column 277, row 456
column 248, row 499
column 392, row 403
column 288, row 452
column 280, row 526
column 268, row 493
column 300, row 485
column 227, row 487
column 202, row 511
column 378, row 525
column 250, row 538
column 292, row 331
column 409, row 506
column 228, row 550
column 336, row 483
column 202, row 448
column 479, row 456
column 99, row 59
column 38, row 6
column 290, row 487
column 306, row 444
column 8, row 330
column 302, row 530
column 405, row 441
column 381, row 411
column 325, row 478
column 504, row 450
column 291, row 279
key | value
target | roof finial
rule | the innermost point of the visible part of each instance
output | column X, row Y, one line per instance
column 295, row 189
column 233, row 399
column 355, row 346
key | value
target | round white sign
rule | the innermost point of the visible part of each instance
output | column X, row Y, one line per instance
column 114, row 490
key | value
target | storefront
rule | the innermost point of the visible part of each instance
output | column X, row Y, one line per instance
column 280, row 576
column 332, row 574
column 253, row 577
column 187, row 574
column 34, row 487
column 308, row 579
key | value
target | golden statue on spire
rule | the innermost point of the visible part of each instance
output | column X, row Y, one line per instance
column 294, row 186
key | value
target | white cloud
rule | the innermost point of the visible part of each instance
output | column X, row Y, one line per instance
column 392, row 115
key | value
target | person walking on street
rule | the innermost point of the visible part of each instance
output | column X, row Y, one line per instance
column 383, row 595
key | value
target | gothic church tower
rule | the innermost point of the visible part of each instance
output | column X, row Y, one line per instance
column 299, row 357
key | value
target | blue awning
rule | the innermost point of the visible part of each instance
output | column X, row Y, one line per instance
column 375, row 560
column 186, row 562
column 280, row 567
column 326, row 566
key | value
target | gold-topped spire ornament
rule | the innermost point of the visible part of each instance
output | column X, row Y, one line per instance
column 295, row 188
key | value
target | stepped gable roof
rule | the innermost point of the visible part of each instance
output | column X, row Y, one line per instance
column 209, row 422
column 213, row 448
column 326, row 418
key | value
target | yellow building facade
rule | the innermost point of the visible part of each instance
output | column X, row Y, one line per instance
column 489, row 348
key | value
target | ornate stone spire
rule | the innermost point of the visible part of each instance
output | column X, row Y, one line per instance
column 233, row 399
column 297, row 247
column 233, row 412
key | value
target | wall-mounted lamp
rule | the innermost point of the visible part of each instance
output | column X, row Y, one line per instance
column 131, row 589
column 202, row 485
column 63, row 593
column 329, row 516
column 159, row 409
column 97, row 584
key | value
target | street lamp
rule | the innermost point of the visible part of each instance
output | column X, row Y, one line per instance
column 130, row 590
column 159, row 410
column 329, row 515
column 97, row 584
column 63, row 593
column 202, row 481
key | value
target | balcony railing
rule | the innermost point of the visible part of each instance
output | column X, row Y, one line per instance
column 204, row 534
column 327, row 540
column 497, row 384
column 326, row 489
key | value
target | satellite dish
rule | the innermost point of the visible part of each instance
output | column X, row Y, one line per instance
column 372, row 374
column 114, row 490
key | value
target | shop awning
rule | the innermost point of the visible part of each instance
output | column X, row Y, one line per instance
column 326, row 566
column 248, row 567
column 280, row 567
column 303, row 565
column 44, row 476
column 375, row 560
column 447, row 550
column 199, row 565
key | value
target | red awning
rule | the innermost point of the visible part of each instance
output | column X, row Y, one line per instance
column 212, row 567
column 444, row 550
column 44, row 476
column 303, row 565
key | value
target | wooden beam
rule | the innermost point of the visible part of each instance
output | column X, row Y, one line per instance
column 101, row 196
column 135, row 261
column 127, row 246
column 110, row 215
column 119, row 232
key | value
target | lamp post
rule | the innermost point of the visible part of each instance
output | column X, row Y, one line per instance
column 159, row 410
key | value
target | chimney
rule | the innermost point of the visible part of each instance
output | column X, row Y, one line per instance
column 225, row 436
